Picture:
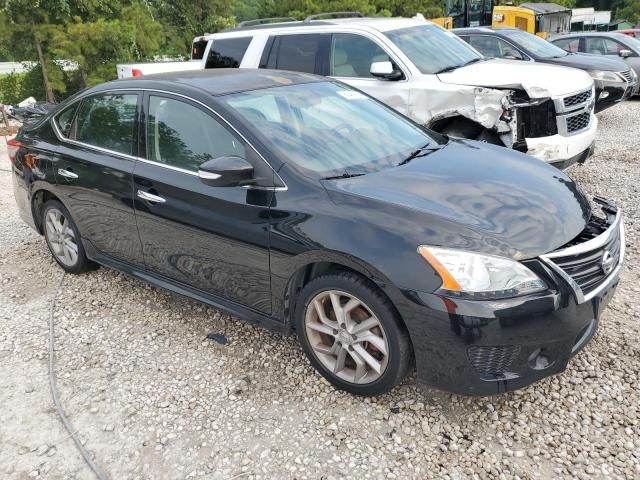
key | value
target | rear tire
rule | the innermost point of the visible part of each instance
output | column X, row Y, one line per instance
column 351, row 334
column 63, row 238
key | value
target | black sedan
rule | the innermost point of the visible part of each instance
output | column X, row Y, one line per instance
column 305, row 206
column 614, row 80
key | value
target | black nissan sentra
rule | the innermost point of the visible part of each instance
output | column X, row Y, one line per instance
column 298, row 203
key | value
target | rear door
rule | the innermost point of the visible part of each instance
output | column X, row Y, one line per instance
column 214, row 239
column 94, row 167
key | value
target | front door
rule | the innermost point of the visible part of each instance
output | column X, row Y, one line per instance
column 93, row 168
column 214, row 239
column 350, row 61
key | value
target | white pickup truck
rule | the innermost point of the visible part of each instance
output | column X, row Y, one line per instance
column 424, row 72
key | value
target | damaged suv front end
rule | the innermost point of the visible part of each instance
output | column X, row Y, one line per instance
column 544, row 110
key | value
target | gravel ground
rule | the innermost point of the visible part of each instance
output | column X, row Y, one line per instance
column 154, row 399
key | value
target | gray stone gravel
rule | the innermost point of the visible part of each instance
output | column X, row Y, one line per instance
column 154, row 399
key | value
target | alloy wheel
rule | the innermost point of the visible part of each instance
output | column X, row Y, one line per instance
column 346, row 336
column 61, row 237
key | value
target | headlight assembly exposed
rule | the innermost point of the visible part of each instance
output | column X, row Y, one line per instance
column 606, row 76
column 480, row 276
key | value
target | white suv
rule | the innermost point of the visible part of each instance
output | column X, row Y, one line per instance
column 428, row 74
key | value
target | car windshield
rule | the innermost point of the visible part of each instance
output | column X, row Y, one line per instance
column 539, row 47
column 327, row 130
column 433, row 49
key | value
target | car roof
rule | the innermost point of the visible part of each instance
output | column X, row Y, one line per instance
column 483, row 30
column 613, row 34
column 216, row 82
column 381, row 24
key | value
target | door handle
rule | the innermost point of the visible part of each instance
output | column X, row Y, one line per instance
column 67, row 173
column 150, row 197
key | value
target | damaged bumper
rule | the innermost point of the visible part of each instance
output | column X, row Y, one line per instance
column 562, row 151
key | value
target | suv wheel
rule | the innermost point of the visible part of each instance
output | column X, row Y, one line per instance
column 352, row 334
column 63, row 238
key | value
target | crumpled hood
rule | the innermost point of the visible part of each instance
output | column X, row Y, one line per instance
column 538, row 80
column 471, row 196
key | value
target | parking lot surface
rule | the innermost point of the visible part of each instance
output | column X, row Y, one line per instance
column 153, row 398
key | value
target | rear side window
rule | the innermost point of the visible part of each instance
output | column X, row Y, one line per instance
column 181, row 135
column 108, row 121
column 568, row 44
column 306, row 53
column 493, row 47
column 227, row 52
column 65, row 118
column 197, row 49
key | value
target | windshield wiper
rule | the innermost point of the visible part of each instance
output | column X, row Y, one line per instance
column 455, row 67
column 421, row 152
column 344, row 174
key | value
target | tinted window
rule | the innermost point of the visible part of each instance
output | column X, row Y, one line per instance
column 64, row 119
column 227, row 52
column 433, row 49
column 300, row 53
column 197, row 50
column 568, row 44
column 108, row 121
column 494, row 47
column 352, row 55
column 182, row 135
column 325, row 129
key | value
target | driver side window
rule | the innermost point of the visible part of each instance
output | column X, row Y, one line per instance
column 352, row 55
column 184, row 136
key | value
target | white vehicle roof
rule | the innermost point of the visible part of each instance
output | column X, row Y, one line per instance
column 380, row 24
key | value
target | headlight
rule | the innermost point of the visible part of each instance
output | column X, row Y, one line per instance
column 480, row 276
column 606, row 76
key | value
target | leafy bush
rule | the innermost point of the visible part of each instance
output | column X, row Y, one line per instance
column 10, row 88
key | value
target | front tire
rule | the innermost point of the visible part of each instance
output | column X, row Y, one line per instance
column 352, row 334
column 63, row 238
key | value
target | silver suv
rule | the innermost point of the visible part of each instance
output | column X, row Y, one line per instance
column 426, row 73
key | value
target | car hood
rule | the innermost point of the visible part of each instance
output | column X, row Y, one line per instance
column 588, row 62
column 471, row 196
column 539, row 81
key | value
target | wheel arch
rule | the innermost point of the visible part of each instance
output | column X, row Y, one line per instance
column 316, row 264
column 38, row 199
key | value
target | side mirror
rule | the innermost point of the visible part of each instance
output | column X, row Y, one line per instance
column 624, row 53
column 226, row 172
column 385, row 70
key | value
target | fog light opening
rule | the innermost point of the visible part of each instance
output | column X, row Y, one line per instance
column 603, row 95
column 538, row 360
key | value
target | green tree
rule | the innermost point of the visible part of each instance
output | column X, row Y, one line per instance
column 630, row 11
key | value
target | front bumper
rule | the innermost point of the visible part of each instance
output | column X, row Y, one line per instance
column 475, row 347
column 556, row 149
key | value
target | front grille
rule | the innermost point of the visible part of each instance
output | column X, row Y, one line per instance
column 578, row 122
column 492, row 361
column 577, row 99
column 628, row 76
column 537, row 121
column 589, row 259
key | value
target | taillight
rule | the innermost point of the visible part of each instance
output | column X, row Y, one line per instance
column 136, row 72
column 14, row 145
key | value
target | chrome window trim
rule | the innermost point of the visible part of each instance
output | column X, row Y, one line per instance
column 617, row 227
column 62, row 138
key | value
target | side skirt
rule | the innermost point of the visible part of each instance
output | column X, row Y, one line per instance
column 231, row 308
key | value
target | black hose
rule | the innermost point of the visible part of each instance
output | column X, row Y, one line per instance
column 54, row 391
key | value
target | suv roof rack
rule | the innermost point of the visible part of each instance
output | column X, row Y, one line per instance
column 319, row 16
column 263, row 21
